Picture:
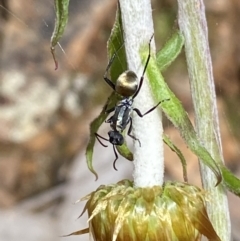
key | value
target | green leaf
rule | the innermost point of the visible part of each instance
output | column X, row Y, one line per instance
column 177, row 115
column 180, row 155
column 231, row 182
column 170, row 51
column 119, row 65
column 94, row 126
column 116, row 46
column 124, row 151
column 164, row 58
column 61, row 9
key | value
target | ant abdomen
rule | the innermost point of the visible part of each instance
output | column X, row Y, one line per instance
column 127, row 84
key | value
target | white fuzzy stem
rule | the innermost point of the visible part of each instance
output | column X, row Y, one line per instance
column 192, row 22
column 148, row 159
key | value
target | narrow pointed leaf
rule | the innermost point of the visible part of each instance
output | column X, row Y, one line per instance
column 124, row 151
column 180, row 155
column 119, row 65
column 115, row 46
column 94, row 126
column 177, row 115
column 164, row 58
column 170, row 51
column 230, row 181
column 61, row 9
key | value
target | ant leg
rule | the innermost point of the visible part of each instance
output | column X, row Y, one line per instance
column 153, row 108
column 116, row 157
column 109, row 120
column 145, row 67
column 141, row 115
column 109, row 110
column 129, row 132
column 106, row 110
column 98, row 138
column 109, row 82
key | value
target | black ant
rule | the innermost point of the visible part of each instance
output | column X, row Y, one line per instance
column 126, row 86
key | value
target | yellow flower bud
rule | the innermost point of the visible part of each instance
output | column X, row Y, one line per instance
column 173, row 212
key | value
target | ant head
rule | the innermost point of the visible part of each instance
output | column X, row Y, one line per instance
column 116, row 138
column 127, row 83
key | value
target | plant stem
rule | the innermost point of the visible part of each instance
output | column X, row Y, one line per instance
column 192, row 22
column 148, row 159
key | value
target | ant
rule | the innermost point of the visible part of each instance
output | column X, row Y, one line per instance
column 126, row 86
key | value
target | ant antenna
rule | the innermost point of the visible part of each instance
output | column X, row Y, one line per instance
column 145, row 67
column 98, row 138
column 108, row 67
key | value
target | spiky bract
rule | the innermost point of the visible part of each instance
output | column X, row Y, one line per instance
column 174, row 212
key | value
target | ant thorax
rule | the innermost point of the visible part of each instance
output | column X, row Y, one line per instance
column 122, row 113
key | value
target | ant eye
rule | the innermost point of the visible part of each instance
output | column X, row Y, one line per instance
column 112, row 140
column 120, row 140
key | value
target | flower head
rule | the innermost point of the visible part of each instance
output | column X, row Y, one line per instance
column 174, row 212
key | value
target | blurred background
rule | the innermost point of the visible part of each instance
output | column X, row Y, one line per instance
column 45, row 114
